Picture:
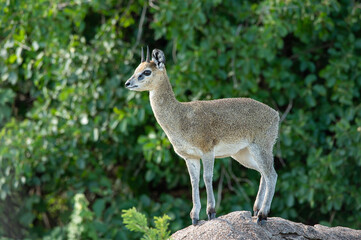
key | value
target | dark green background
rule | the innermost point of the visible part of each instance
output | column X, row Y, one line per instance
column 68, row 126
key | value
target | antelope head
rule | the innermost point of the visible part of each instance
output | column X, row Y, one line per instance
column 148, row 74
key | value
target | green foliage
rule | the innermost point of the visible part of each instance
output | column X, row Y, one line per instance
column 68, row 126
column 79, row 227
column 137, row 222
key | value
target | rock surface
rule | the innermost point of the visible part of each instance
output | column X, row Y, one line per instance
column 241, row 225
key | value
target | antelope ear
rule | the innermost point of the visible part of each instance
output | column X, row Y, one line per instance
column 158, row 58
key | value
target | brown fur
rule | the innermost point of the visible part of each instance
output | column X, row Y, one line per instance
column 242, row 128
column 204, row 123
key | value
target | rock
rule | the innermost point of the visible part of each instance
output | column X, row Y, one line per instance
column 241, row 225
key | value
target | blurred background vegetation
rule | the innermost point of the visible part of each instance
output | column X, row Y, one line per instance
column 76, row 148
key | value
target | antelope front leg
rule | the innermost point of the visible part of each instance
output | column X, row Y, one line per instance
column 208, row 163
column 194, row 167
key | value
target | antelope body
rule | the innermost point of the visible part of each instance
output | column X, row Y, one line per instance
column 241, row 128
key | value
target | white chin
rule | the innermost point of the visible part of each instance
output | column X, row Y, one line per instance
column 132, row 88
column 137, row 89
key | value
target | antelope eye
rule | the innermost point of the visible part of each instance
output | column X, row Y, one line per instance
column 147, row 72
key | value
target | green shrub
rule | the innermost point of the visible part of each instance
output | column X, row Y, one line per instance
column 137, row 222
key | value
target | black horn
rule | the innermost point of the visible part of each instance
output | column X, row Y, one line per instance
column 142, row 54
column 147, row 54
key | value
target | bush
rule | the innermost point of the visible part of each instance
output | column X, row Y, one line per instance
column 69, row 127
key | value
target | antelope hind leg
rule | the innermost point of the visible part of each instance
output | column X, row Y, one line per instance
column 264, row 160
column 245, row 158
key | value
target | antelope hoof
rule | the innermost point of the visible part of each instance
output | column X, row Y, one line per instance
column 194, row 221
column 211, row 216
column 261, row 220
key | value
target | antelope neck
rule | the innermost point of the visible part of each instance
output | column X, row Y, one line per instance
column 164, row 104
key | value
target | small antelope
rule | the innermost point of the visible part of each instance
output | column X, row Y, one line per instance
column 241, row 128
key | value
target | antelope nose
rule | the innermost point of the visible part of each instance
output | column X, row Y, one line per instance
column 127, row 84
